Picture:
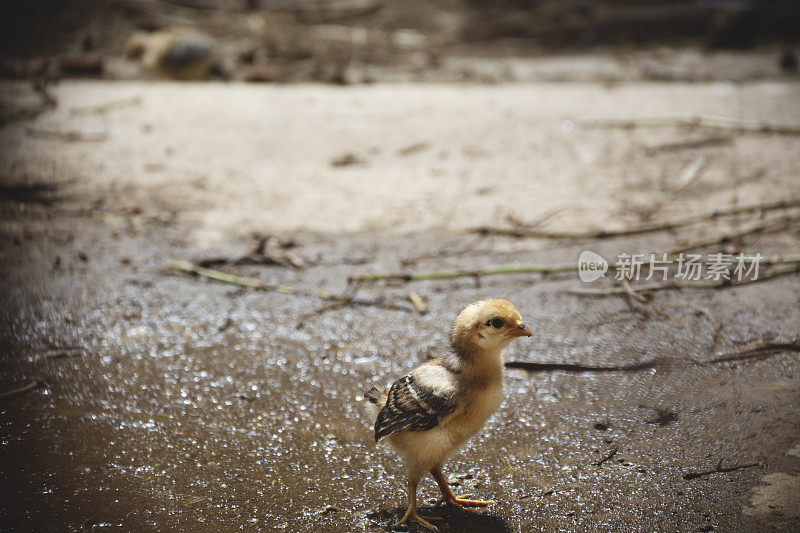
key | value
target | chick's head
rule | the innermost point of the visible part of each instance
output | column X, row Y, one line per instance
column 487, row 325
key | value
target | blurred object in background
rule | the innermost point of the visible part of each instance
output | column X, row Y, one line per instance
column 359, row 41
column 788, row 61
column 181, row 54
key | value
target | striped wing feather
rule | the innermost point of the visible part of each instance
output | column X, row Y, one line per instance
column 411, row 406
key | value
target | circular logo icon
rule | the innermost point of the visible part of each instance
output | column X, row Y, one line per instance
column 591, row 266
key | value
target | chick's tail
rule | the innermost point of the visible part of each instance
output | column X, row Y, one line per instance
column 372, row 395
column 374, row 402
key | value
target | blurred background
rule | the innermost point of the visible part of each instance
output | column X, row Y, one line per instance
column 364, row 41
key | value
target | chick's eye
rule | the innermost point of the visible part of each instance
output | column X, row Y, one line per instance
column 496, row 323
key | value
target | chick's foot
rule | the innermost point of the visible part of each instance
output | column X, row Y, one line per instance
column 412, row 516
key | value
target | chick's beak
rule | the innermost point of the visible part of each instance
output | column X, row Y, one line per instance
column 521, row 331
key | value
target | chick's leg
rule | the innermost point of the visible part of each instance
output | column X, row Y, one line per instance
column 411, row 513
column 452, row 499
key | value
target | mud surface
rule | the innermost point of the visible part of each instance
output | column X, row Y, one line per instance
column 190, row 404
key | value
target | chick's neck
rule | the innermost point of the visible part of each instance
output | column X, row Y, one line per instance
column 475, row 364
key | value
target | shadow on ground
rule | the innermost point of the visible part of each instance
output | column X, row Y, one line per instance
column 446, row 519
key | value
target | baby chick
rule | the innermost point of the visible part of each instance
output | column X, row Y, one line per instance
column 427, row 414
column 175, row 53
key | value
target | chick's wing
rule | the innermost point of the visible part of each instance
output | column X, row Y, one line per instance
column 413, row 405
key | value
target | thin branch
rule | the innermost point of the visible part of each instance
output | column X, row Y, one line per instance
column 338, row 303
column 417, row 302
column 698, row 121
column 731, row 236
column 112, row 105
column 334, row 302
column 68, row 135
column 651, row 227
column 578, row 368
column 342, row 302
column 466, row 249
column 718, row 470
column 25, row 388
column 265, row 250
column 347, row 299
column 463, row 273
column 515, row 268
column 606, row 458
column 759, row 350
column 626, row 286
column 691, row 172
column 756, row 350
column 58, row 353
column 689, row 144
column 635, row 296
column 697, row 310
column 541, row 220
column 224, row 277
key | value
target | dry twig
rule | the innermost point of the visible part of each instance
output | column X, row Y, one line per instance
column 756, row 350
column 632, row 294
column 335, row 302
column 696, row 121
column 691, row 172
column 101, row 109
column 224, row 277
column 417, row 302
column 69, row 135
column 345, row 300
column 463, row 273
column 689, row 144
column 578, row 368
column 265, row 250
column 763, row 226
column 25, row 388
column 606, row 458
column 718, row 470
column 463, row 250
column 650, row 227
column 414, row 148
column 338, row 303
column 530, row 268
column 58, row 353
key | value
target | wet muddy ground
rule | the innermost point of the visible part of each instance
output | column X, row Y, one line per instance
column 166, row 401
